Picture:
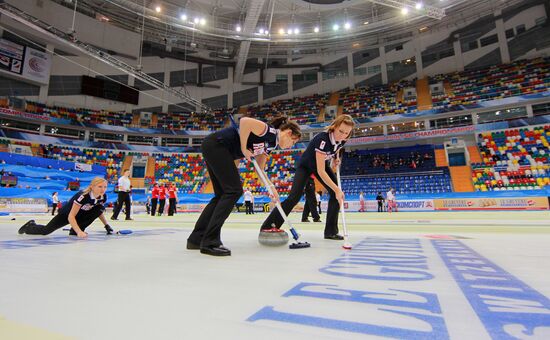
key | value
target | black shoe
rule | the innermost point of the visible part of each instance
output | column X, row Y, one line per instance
column 129, row 219
column 23, row 228
column 192, row 246
column 306, row 220
column 216, row 251
column 317, row 220
column 334, row 237
column 114, row 219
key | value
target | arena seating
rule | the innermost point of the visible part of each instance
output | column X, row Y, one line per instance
column 193, row 120
column 516, row 159
column 280, row 169
column 302, row 110
column 499, row 81
column 187, row 171
column 375, row 101
column 422, row 183
column 408, row 170
column 79, row 115
column 112, row 160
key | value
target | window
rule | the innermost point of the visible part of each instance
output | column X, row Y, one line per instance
column 374, row 69
column 489, row 40
column 54, row 130
column 500, row 115
column 520, row 29
column 450, row 122
column 281, row 78
column 360, row 71
column 509, row 33
column 446, row 54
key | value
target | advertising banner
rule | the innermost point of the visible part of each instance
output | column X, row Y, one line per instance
column 23, row 205
column 413, row 135
column 37, row 65
column 402, row 205
column 511, row 203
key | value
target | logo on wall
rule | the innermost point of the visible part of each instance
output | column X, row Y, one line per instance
column 16, row 66
column 37, row 65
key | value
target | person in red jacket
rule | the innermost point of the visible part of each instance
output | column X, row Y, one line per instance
column 162, row 198
column 154, row 198
column 172, row 197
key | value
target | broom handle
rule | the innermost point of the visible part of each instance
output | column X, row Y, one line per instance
column 263, row 178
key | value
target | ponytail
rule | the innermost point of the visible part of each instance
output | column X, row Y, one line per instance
column 282, row 123
column 278, row 121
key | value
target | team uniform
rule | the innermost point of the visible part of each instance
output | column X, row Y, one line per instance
column 154, row 200
column 162, row 199
column 220, row 149
column 325, row 144
column 249, row 209
column 55, row 203
column 172, row 200
column 90, row 208
column 310, row 204
column 123, row 198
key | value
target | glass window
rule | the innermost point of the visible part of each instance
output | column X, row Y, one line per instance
column 500, row 115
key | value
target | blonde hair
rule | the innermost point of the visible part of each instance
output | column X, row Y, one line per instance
column 341, row 119
column 93, row 183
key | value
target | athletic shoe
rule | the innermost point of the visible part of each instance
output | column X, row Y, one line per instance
column 334, row 237
column 216, row 251
column 306, row 220
column 317, row 220
column 129, row 219
column 23, row 229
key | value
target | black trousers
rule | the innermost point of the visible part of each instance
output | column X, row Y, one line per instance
column 123, row 198
column 300, row 177
column 380, row 206
column 61, row 220
column 319, row 206
column 154, row 202
column 310, row 205
column 171, row 206
column 249, row 208
column 162, row 202
column 54, row 207
column 227, row 191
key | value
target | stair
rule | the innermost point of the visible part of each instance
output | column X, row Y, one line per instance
column 150, row 168
column 440, row 158
column 475, row 156
column 399, row 96
column 423, row 95
column 321, row 116
column 461, row 177
column 448, row 88
column 333, row 99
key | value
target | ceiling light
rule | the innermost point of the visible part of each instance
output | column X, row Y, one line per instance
column 404, row 10
column 196, row 20
column 347, row 25
column 261, row 31
column 158, row 9
column 183, row 17
column 296, row 31
column 281, row 31
column 202, row 21
column 289, row 31
column 418, row 5
column 238, row 28
column 366, row 23
column 335, row 27
column 316, row 29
